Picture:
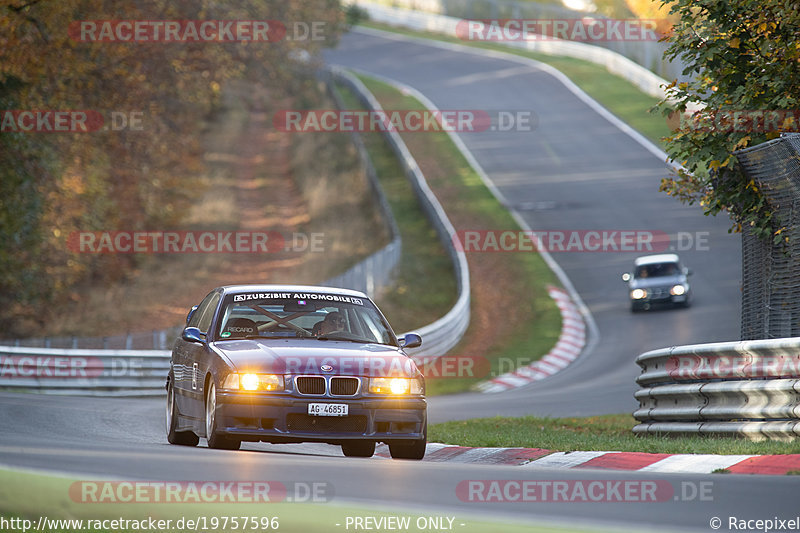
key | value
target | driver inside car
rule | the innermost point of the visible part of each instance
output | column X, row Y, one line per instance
column 333, row 322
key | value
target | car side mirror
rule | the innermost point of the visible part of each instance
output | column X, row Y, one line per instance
column 193, row 335
column 191, row 312
column 626, row 276
column 410, row 340
column 687, row 271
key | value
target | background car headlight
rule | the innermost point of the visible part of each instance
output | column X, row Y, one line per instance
column 677, row 290
column 638, row 294
column 397, row 386
column 254, row 382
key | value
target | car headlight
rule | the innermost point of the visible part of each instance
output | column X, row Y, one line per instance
column 638, row 294
column 677, row 290
column 396, row 386
column 254, row 382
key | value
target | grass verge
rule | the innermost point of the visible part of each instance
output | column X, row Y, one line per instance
column 508, row 337
column 596, row 433
column 425, row 287
column 615, row 93
column 28, row 496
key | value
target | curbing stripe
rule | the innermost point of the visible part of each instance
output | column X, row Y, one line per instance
column 624, row 460
column 768, row 464
column 565, row 459
column 694, row 464
column 627, row 461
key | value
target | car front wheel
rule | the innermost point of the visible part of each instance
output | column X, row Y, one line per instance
column 358, row 448
column 214, row 439
column 413, row 449
column 183, row 438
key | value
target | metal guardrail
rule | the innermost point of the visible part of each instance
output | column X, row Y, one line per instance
column 443, row 334
column 146, row 340
column 84, row 372
column 125, row 372
column 744, row 388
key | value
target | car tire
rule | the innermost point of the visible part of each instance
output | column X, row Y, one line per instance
column 182, row 438
column 214, row 439
column 359, row 448
column 412, row 449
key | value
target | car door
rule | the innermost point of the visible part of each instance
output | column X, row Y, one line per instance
column 187, row 361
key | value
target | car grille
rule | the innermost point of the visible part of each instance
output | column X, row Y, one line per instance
column 310, row 385
column 659, row 292
column 332, row 424
column 318, row 386
column 344, row 386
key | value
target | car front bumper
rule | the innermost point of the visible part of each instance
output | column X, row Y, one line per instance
column 273, row 418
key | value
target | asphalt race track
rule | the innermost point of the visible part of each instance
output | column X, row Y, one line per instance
column 124, row 439
column 574, row 171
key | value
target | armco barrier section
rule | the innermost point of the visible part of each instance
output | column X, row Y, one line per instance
column 443, row 334
column 143, row 372
column 84, row 372
column 745, row 388
column 615, row 63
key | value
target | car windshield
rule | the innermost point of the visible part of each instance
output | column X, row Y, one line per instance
column 319, row 316
column 655, row 270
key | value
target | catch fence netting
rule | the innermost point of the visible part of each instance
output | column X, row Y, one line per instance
column 770, row 271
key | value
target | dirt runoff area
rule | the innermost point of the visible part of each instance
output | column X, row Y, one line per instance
column 273, row 207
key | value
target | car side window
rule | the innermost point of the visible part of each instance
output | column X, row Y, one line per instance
column 205, row 319
column 202, row 310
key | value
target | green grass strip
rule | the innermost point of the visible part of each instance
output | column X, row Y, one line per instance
column 29, row 496
column 425, row 287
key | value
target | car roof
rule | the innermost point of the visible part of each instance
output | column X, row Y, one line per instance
column 238, row 289
column 658, row 258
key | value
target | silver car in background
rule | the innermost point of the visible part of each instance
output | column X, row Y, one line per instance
column 658, row 279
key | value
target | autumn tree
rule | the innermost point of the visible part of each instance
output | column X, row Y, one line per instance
column 743, row 55
column 53, row 184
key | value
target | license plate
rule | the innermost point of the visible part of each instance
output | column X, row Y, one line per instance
column 327, row 409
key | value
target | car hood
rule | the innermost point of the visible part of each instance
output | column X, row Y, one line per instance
column 660, row 281
column 309, row 356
